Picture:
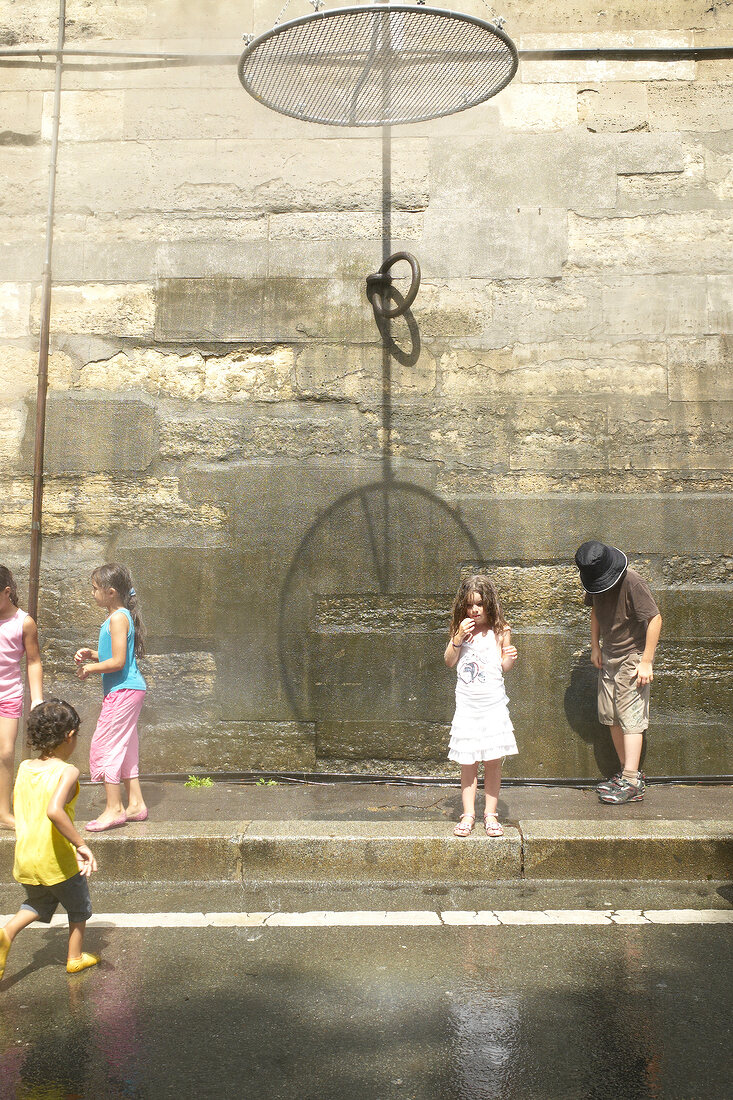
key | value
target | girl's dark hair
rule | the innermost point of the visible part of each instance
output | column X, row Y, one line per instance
column 486, row 589
column 6, row 581
column 119, row 577
column 49, row 723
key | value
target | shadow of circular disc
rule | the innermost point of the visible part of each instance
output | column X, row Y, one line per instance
column 373, row 575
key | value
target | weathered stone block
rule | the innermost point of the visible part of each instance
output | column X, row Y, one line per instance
column 266, row 746
column 23, row 179
column 20, row 117
column 417, row 741
column 629, row 849
column 669, row 435
column 265, row 310
column 530, row 107
column 85, row 116
column 19, row 371
column 720, row 303
column 615, row 108
column 657, row 243
column 91, row 436
column 247, row 175
column 123, row 310
column 15, row 303
column 375, row 851
column 700, row 370
column 537, row 310
column 655, row 305
column 356, row 374
column 483, row 241
column 690, row 106
column 562, row 367
column 558, row 434
column 204, row 851
column 534, row 527
column 81, row 506
column 12, row 428
column 650, row 154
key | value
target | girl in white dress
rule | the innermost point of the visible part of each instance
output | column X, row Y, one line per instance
column 480, row 645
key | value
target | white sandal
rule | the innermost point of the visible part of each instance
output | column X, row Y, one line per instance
column 493, row 828
column 465, row 825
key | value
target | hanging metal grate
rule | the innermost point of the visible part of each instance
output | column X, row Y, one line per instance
column 378, row 65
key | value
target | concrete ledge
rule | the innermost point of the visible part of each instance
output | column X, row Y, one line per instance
column 203, row 851
column 387, row 852
column 627, row 849
column 199, row 851
column 376, row 852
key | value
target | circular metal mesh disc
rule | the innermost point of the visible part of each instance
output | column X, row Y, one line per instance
column 378, row 65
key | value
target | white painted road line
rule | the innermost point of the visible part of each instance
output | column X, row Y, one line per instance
column 403, row 918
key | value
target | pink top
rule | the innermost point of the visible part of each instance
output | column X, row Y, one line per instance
column 11, row 651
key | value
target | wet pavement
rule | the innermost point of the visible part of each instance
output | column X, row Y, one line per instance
column 468, row 1013
column 289, row 800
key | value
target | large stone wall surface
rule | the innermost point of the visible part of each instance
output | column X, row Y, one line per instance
column 297, row 509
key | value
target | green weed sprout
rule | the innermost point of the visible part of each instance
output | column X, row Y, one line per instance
column 199, row 781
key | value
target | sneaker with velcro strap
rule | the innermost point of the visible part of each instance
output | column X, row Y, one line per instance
column 624, row 792
column 607, row 785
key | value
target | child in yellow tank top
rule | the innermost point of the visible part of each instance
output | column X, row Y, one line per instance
column 52, row 860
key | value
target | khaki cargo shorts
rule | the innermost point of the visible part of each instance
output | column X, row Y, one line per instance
column 620, row 701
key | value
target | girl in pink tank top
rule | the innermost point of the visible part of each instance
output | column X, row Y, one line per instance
column 18, row 639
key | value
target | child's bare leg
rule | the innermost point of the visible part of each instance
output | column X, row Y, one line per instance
column 492, row 784
column 77, row 959
column 469, row 786
column 16, row 924
column 135, row 800
column 617, row 736
column 76, row 939
column 8, row 735
column 633, row 744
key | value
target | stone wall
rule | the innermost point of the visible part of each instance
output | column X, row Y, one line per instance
column 215, row 412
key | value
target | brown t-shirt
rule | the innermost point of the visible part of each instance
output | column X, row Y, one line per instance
column 623, row 613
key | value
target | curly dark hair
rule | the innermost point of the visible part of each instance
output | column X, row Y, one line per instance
column 49, row 723
column 486, row 590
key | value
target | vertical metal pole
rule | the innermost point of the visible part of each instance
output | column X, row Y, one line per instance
column 386, row 322
column 40, row 433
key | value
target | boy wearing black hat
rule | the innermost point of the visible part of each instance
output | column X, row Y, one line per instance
column 626, row 618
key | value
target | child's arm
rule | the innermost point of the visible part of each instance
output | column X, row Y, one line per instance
column 508, row 651
column 56, row 813
column 85, row 654
column 453, row 649
column 33, row 666
column 595, row 640
column 644, row 673
column 118, row 628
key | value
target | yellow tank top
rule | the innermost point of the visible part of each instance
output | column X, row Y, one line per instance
column 43, row 856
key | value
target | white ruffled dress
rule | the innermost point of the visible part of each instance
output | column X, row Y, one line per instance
column 482, row 728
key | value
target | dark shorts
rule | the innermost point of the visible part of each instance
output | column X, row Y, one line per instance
column 72, row 894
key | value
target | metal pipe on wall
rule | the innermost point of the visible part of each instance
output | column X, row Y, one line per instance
column 42, row 388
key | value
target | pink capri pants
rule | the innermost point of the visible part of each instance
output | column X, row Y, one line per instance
column 113, row 753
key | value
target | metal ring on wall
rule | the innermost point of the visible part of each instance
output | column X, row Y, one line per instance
column 377, row 283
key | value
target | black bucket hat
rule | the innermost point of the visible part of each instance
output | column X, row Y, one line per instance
column 600, row 566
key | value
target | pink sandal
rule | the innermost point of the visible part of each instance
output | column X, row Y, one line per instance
column 465, row 825
column 493, row 828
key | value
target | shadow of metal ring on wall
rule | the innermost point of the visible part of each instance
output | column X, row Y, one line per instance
column 374, row 567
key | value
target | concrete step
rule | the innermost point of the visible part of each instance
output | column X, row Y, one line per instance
column 373, row 852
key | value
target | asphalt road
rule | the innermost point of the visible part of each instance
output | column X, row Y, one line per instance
column 374, row 1013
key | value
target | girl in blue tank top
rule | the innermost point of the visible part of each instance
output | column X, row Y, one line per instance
column 113, row 754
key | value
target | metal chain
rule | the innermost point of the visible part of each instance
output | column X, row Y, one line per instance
column 497, row 20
